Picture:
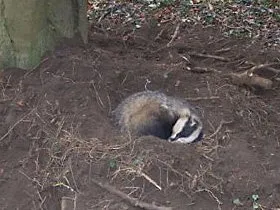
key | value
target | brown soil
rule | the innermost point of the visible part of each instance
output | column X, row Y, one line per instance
column 57, row 137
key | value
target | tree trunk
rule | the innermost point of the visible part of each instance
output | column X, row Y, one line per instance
column 29, row 28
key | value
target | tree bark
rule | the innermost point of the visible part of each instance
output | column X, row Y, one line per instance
column 29, row 28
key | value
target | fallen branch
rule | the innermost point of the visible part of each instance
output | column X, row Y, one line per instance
column 251, row 80
column 133, row 201
column 209, row 56
column 202, row 70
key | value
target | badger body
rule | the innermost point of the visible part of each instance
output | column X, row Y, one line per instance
column 154, row 113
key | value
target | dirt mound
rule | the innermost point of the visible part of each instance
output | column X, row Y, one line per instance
column 57, row 138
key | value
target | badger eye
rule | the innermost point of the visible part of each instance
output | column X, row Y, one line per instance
column 193, row 122
column 188, row 129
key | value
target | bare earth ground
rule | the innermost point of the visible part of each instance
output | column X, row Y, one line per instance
column 57, row 138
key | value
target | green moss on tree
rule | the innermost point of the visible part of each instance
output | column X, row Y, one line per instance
column 30, row 28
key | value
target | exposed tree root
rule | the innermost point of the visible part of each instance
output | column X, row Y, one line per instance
column 251, row 79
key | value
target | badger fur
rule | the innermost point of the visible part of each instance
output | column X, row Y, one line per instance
column 154, row 113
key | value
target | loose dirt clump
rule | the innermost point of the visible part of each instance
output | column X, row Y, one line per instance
column 58, row 140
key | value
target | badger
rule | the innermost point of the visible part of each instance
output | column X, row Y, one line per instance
column 156, row 114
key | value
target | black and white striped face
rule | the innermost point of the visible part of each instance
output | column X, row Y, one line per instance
column 186, row 130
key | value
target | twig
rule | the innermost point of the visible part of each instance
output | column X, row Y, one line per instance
column 147, row 178
column 97, row 94
column 208, row 158
column 209, row 56
column 33, row 180
column 12, row 127
column 185, row 59
column 176, row 32
column 223, row 50
column 106, row 12
column 218, row 128
column 42, row 200
column 203, row 98
column 61, row 184
column 133, row 201
column 212, row 195
column 159, row 35
column 72, row 174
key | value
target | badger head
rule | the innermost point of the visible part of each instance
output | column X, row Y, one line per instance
column 186, row 130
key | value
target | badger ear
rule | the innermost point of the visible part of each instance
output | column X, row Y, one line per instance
column 185, row 113
column 165, row 109
column 164, row 106
column 168, row 114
